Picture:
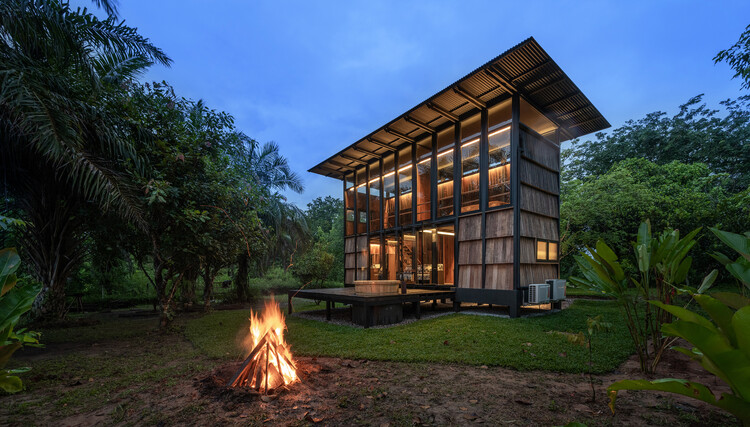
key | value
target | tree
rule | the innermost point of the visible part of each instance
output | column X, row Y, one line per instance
column 325, row 216
column 199, row 207
column 696, row 134
column 738, row 57
column 675, row 195
column 61, row 143
column 314, row 266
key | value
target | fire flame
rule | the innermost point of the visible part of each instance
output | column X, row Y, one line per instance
column 272, row 364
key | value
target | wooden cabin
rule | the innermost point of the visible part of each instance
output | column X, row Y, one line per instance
column 463, row 189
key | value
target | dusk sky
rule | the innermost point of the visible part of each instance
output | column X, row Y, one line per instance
column 316, row 76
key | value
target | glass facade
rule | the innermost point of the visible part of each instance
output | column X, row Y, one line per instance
column 375, row 260
column 349, row 205
column 445, row 158
column 408, row 245
column 424, row 178
column 404, row 187
column 498, row 147
column 390, row 258
column 470, row 142
column 362, row 200
column 389, row 192
column 374, row 184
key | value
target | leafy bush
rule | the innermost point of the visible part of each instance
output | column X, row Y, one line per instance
column 662, row 264
column 14, row 302
column 314, row 266
column 721, row 345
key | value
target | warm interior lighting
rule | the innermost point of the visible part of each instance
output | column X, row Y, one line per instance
column 541, row 251
column 552, row 251
column 499, row 131
column 375, row 245
column 427, row 231
column 446, row 233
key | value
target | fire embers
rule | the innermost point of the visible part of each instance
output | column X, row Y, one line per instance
column 269, row 364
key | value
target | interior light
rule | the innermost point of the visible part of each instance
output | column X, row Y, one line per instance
column 446, row 233
column 499, row 131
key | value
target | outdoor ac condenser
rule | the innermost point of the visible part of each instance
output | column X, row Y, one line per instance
column 538, row 293
column 558, row 288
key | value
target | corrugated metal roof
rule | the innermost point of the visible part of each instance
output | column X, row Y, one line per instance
column 525, row 69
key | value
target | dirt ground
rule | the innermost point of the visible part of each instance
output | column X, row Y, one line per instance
column 348, row 392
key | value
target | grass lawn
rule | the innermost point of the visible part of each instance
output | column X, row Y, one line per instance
column 523, row 344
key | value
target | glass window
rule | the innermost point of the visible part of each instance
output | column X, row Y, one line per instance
column 537, row 121
column 444, row 239
column 470, row 134
column 408, row 252
column 390, row 259
column 374, row 184
column 445, row 156
column 424, row 182
column 375, row 261
column 498, row 136
column 404, row 187
column 389, row 192
column 349, row 203
column 424, row 256
column 362, row 200
column 546, row 250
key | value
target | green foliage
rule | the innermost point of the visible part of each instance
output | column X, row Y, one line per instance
column 738, row 57
column 740, row 267
column 14, row 302
column 662, row 264
column 721, row 344
column 314, row 266
column 696, row 134
column 682, row 196
column 325, row 217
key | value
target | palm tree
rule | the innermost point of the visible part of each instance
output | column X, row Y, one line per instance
column 284, row 222
column 62, row 137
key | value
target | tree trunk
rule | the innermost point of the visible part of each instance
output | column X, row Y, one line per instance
column 240, row 279
column 208, row 287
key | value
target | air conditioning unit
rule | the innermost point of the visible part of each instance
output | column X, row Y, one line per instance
column 538, row 293
column 558, row 288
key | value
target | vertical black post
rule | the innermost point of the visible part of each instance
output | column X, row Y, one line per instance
column 515, row 194
column 483, row 191
column 559, row 169
column 414, row 183
column 457, row 169
column 356, row 227
column 396, row 201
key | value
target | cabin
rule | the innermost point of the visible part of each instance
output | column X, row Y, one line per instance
column 463, row 191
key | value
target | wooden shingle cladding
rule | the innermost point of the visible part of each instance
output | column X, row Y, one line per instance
column 507, row 157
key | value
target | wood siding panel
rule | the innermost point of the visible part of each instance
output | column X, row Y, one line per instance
column 349, row 245
column 537, row 273
column 528, row 250
column 538, row 201
column 499, row 223
column 538, row 177
column 470, row 276
column 470, row 252
column 499, row 250
column 362, row 255
column 470, row 228
column 349, row 277
column 539, row 227
column 539, row 151
column 499, row 277
column 349, row 260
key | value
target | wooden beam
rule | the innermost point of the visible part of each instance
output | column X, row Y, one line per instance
column 502, row 81
column 339, row 165
column 363, row 151
column 571, row 112
column 419, row 124
column 584, row 122
column 381, row 144
column 443, row 112
column 399, row 134
column 353, row 159
column 469, row 97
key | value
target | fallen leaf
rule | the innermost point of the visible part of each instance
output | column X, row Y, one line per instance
column 445, row 342
column 472, row 401
column 425, row 406
column 463, row 409
column 528, row 344
column 563, row 354
column 523, row 402
column 483, row 367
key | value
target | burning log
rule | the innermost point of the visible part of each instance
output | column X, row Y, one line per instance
column 268, row 365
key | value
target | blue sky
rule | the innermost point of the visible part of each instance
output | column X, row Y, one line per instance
column 315, row 76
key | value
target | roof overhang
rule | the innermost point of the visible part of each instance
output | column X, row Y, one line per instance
column 525, row 69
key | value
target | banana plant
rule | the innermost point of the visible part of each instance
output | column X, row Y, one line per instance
column 14, row 302
column 721, row 344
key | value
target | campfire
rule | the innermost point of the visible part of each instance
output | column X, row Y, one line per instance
column 269, row 363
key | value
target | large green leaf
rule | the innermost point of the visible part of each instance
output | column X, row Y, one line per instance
column 9, row 262
column 10, row 383
column 721, row 315
column 728, row 402
column 740, row 270
column 732, row 299
column 15, row 303
column 686, row 315
column 708, row 281
column 7, row 351
column 737, row 242
column 741, row 324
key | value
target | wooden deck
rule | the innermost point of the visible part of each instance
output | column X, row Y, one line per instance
column 369, row 304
